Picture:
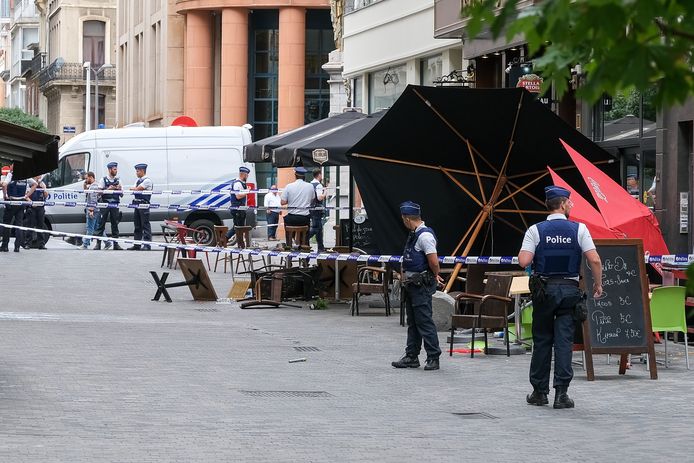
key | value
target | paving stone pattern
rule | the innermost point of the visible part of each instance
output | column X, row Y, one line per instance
column 92, row 370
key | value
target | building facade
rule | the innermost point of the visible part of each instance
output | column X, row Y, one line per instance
column 389, row 44
column 24, row 37
column 5, row 51
column 76, row 37
column 150, row 66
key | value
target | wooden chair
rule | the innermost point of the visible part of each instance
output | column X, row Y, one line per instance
column 187, row 236
column 243, row 241
column 274, row 299
column 490, row 311
column 365, row 286
column 296, row 236
column 474, row 284
column 170, row 236
column 221, row 241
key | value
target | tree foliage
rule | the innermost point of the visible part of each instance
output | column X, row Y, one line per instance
column 18, row 117
column 620, row 44
column 628, row 102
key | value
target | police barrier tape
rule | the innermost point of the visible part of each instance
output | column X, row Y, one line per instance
column 494, row 260
column 175, row 207
column 169, row 192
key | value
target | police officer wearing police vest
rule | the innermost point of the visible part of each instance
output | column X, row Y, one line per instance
column 238, row 200
column 317, row 209
column 37, row 193
column 112, row 213
column 420, row 265
column 143, row 228
column 554, row 248
column 15, row 190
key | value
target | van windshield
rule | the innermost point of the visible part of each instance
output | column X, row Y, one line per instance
column 71, row 169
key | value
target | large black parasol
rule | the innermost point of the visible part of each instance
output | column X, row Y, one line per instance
column 327, row 148
column 261, row 150
column 475, row 159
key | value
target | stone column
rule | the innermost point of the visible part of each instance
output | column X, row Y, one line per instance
column 292, row 69
column 234, row 81
column 199, row 63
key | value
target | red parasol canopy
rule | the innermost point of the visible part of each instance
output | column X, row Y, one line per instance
column 585, row 213
column 619, row 210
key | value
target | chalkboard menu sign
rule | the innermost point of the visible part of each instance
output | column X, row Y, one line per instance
column 363, row 233
column 619, row 321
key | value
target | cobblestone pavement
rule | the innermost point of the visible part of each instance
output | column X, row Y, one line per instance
column 92, row 370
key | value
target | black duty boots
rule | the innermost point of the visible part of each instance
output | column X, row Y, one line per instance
column 406, row 362
column 561, row 398
column 537, row 398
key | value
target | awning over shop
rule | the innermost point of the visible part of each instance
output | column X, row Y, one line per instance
column 32, row 152
column 328, row 148
column 475, row 159
column 261, row 150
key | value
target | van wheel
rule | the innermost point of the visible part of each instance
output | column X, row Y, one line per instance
column 205, row 231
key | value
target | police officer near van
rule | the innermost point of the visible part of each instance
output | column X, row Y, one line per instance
column 14, row 190
column 110, row 213
column 238, row 200
column 143, row 228
column 554, row 248
column 37, row 193
column 420, row 266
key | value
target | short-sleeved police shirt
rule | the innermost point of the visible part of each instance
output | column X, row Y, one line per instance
column 532, row 236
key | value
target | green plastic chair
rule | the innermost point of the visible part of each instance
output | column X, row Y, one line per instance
column 667, row 314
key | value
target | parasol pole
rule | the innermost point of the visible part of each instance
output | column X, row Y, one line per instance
column 351, row 210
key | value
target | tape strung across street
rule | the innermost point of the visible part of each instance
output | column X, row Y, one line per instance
column 169, row 192
column 494, row 260
column 174, row 207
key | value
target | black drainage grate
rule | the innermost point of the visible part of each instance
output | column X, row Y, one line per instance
column 284, row 394
column 306, row 349
column 476, row 416
column 207, row 310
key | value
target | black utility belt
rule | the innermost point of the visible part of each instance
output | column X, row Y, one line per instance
column 419, row 278
column 561, row 281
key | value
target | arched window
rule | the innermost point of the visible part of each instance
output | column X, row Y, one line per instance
column 93, row 42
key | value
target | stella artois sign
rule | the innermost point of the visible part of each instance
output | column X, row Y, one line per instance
column 320, row 156
column 530, row 82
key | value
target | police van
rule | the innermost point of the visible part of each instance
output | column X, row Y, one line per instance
column 179, row 158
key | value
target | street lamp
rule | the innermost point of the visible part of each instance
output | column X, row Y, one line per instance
column 87, row 123
column 96, row 91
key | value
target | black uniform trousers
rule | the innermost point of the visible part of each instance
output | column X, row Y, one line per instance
column 239, row 221
column 16, row 214
column 36, row 220
column 111, row 214
column 143, row 229
column 420, row 322
column 316, row 228
column 553, row 327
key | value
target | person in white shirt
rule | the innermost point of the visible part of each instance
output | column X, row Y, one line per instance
column 298, row 196
column 143, row 228
column 273, row 204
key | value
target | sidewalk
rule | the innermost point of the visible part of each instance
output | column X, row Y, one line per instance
column 92, row 370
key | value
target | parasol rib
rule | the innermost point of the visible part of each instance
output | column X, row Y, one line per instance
column 461, row 186
column 537, row 172
column 462, row 240
column 515, row 203
column 501, row 219
column 520, row 211
column 416, row 164
column 523, row 188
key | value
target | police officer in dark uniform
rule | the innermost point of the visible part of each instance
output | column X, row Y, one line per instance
column 554, row 248
column 16, row 190
column 420, row 265
column 37, row 193
column 110, row 182
column 143, row 228
column 238, row 200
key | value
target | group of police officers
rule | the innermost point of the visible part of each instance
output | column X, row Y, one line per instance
column 34, row 190
column 552, row 250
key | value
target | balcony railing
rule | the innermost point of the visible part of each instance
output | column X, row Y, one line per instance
column 72, row 73
column 24, row 9
column 38, row 62
column 354, row 5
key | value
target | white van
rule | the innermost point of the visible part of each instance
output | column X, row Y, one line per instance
column 179, row 158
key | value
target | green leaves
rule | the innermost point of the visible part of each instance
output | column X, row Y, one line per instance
column 18, row 117
column 621, row 44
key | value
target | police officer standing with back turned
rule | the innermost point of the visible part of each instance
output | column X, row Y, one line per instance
column 554, row 248
column 143, row 229
column 238, row 200
column 15, row 190
column 420, row 266
column 37, row 193
column 110, row 182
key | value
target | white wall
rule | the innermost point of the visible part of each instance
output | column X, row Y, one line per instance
column 390, row 32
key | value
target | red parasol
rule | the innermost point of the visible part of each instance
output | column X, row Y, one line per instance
column 585, row 213
column 619, row 210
